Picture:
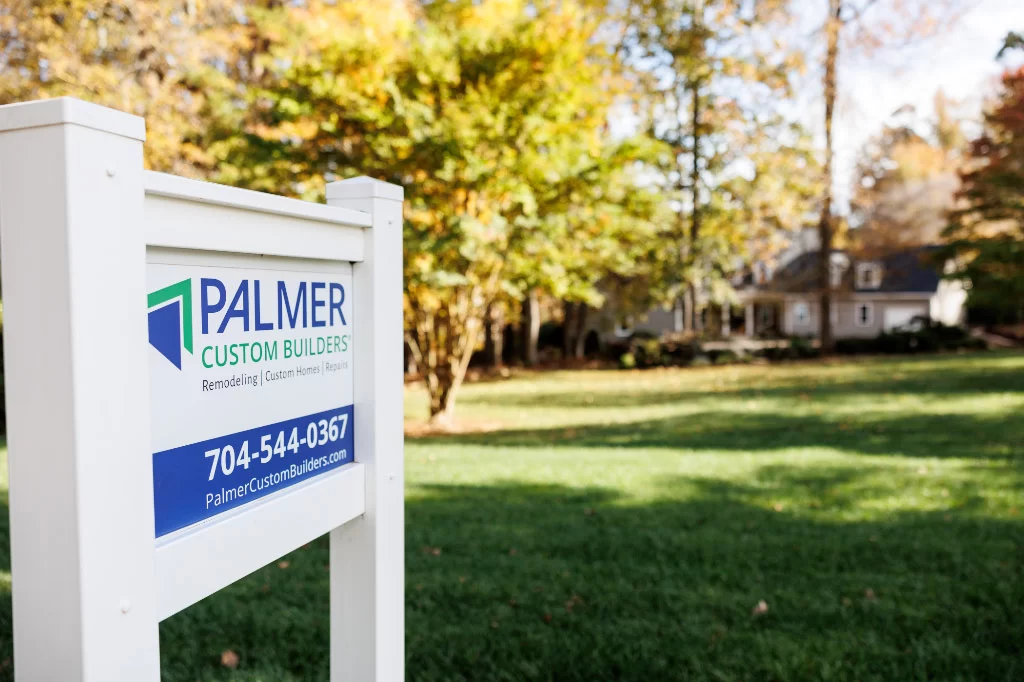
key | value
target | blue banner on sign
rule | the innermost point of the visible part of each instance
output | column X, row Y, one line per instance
column 194, row 482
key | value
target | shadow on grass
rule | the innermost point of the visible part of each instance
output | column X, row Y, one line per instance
column 930, row 375
column 548, row 583
column 542, row 582
column 970, row 436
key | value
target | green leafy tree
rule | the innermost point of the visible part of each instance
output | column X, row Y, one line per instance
column 494, row 116
column 716, row 74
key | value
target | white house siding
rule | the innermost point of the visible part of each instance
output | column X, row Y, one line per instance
column 792, row 326
column 844, row 324
column 657, row 321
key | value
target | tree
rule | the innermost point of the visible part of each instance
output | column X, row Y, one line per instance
column 717, row 72
column 906, row 179
column 868, row 28
column 986, row 231
column 161, row 59
column 494, row 116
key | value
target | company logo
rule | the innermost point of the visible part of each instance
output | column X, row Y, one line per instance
column 170, row 320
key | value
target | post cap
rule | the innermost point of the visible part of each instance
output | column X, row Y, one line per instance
column 364, row 187
column 69, row 110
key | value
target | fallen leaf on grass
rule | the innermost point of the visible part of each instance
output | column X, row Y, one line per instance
column 433, row 551
column 847, row 601
column 588, row 512
column 512, row 552
column 283, row 564
column 229, row 659
column 574, row 601
column 869, row 594
column 547, row 618
column 778, row 506
column 760, row 609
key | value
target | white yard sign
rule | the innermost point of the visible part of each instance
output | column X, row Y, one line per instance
column 199, row 380
column 250, row 384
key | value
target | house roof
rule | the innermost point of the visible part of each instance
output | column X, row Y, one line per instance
column 909, row 271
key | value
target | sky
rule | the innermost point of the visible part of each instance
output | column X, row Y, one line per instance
column 961, row 61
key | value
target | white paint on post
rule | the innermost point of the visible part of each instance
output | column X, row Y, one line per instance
column 81, row 501
column 165, row 442
column 367, row 554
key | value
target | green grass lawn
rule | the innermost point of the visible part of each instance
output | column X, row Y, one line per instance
column 627, row 525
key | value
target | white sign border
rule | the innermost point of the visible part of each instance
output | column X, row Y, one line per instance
column 77, row 216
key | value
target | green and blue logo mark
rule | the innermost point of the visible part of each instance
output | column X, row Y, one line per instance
column 170, row 320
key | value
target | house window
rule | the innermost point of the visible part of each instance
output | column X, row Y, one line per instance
column 869, row 275
column 865, row 314
column 801, row 314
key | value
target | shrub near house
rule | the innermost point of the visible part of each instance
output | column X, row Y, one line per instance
column 924, row 337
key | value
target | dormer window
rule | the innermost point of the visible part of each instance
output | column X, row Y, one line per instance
column 869, row 275
column 838, row 262
column 835, row 275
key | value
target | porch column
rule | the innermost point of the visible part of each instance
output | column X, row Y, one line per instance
column 749, row 330
column 726, row 321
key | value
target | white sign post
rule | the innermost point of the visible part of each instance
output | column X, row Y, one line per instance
column 199, row 380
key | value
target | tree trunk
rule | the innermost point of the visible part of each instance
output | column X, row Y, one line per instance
column 444, row 381
column 569, row 313
column 695, row 219
column 825, row 226
column 579, row 349
column 442, row 343
column 411, row 366
column 494, row 340
column 689, row 318
column 531, row 328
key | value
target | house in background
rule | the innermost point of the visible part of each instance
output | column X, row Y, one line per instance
column 869, row 296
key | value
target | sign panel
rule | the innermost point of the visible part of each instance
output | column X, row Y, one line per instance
column 251, row 383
